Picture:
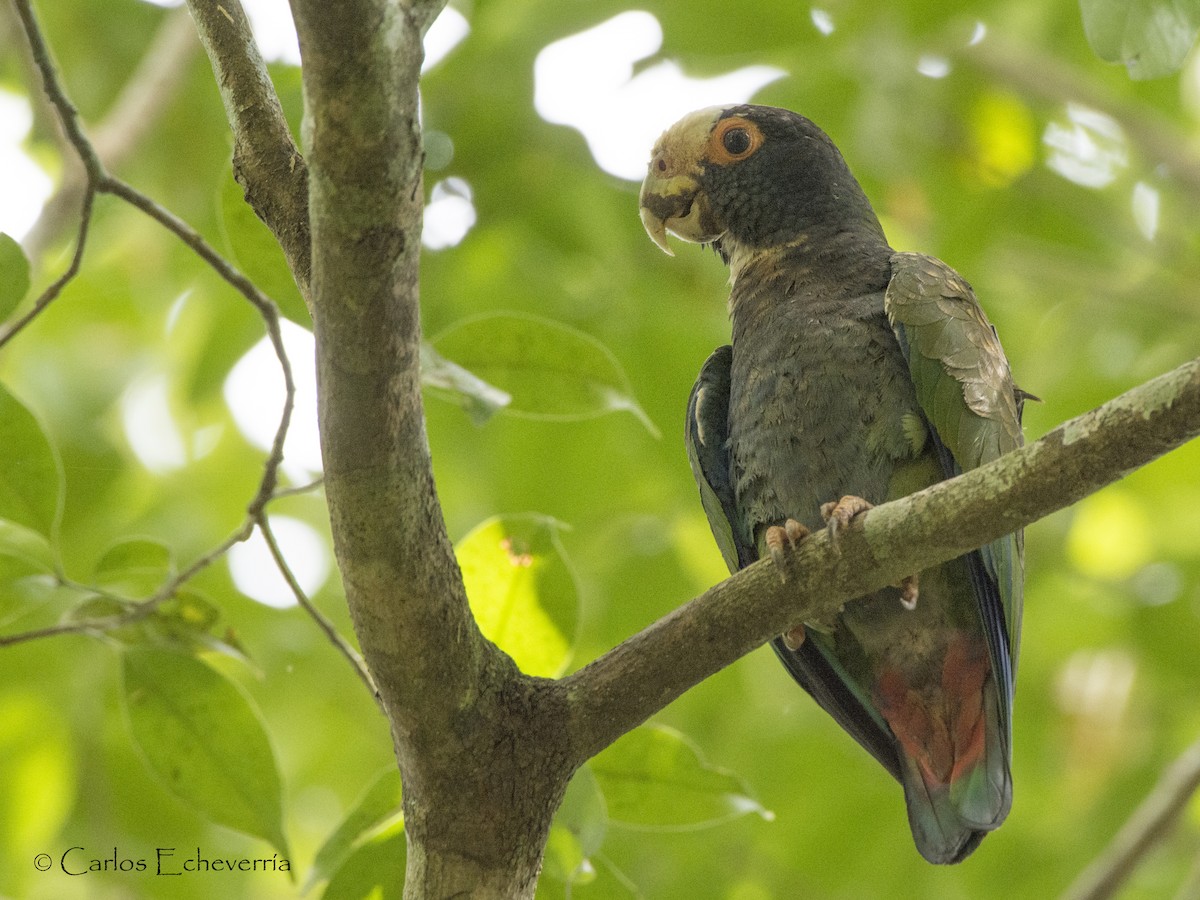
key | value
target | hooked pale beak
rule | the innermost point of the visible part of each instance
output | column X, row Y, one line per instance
column 679, row 206
column 657, row 229
column 671, row 198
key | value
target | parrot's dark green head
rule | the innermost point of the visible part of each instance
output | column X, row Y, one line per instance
column 750, row 178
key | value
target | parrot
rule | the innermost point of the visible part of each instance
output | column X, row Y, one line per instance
column 855, row 375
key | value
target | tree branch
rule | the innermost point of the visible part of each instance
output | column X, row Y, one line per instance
column 628, row 684
column 1148, row 825
column 361, row 65
column 266, row 162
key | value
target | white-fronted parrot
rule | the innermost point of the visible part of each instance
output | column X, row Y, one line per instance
column 855, row 375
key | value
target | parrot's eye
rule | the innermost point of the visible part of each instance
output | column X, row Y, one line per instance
column 733, row 140
column 736, row 141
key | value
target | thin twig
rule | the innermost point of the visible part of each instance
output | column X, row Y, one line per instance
column 331, row 632
column 139, row 609
column 68, row 117
column 140, row 104
column 301, row 489
column 99, row 181
column 1145, row 829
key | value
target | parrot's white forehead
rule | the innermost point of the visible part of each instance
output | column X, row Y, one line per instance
column 702, row 117
column 699, row 122
column 683, row 143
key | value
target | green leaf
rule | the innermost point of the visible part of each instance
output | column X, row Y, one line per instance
column 135, row 566
column 550, row 370
column 14, row 275
column 654, row 779
column 204, row 740
column 31, row 480
column 377, row 810
column 27, row 547
column 1151, row 37
column 578, row 831
column 454, row 383
column 255, row 251
column 522, row 592
column 374, row 871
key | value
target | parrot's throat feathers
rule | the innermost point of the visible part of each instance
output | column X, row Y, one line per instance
column 846, row 265
column 756, row 266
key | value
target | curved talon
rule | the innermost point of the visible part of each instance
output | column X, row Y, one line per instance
column 839, row 514
column 781, row 539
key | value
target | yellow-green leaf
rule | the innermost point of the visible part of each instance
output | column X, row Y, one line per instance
column 374, row 871
column 522, row 591
column 252, row 247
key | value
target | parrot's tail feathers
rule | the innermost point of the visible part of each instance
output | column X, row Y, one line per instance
column 954, row 753
column 983, row 793
column 940, row 833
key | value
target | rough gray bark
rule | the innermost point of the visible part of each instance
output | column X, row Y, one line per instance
column 485, row 751
column 477, row 798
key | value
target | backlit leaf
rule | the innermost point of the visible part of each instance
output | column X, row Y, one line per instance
column 255, row 251
column 135, row 566
column 522, row 592
column 374, row 871
column 26, row 546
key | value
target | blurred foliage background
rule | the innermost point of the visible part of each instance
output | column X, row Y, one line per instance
column 987, row 133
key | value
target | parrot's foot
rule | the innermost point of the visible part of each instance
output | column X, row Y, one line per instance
column 909, row 591
column 838, row 515
column 781, row 539
column 794, row 637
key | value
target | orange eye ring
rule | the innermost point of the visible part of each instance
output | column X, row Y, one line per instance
column 733, row 140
